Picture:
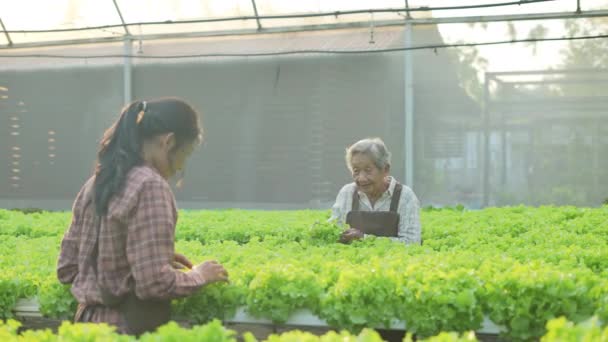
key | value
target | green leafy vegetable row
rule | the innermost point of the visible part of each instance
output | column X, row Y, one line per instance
column 518, row 266
column 558, row 330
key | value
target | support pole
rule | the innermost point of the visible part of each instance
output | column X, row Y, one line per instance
column 127, row 72
column 409, row 109
column 503, row 145
column 485, row 186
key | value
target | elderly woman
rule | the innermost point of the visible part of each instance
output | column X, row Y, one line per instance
column 375, row 203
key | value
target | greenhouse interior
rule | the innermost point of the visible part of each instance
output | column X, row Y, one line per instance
column 264, row 170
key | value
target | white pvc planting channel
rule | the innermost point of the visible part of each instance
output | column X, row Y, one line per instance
column 30, row 308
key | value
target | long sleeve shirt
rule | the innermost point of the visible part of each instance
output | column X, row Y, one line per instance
column 136, row 243
column 409, row 209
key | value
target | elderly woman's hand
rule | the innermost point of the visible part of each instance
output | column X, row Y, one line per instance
column 351, row 234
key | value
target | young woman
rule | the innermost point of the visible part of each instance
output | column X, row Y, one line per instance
column 118, row 252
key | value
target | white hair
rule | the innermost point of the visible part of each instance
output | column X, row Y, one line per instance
column 374, row 148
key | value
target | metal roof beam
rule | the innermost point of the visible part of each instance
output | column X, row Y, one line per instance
column 257, row 16
column 8, row 37
column 558, row 81
column 562, row 100
column 547, row 72
column 420, row 21
column 510, row 17
column 122, row 20
column 285, row 29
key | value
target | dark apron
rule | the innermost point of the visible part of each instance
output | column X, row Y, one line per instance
column 140, row 315
column 379, row 223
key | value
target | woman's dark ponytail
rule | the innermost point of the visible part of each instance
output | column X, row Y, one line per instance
column 119, row 152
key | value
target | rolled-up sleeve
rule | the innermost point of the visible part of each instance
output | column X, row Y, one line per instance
column 150, row 246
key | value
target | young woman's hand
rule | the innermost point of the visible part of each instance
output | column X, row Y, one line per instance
column 211, row 271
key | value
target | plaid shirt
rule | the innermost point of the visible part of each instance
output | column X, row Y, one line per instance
column 136, row 247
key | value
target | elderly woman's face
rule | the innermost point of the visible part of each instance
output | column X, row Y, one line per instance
column 368, row 177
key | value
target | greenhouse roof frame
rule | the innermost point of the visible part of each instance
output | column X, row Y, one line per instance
column 404, row 12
